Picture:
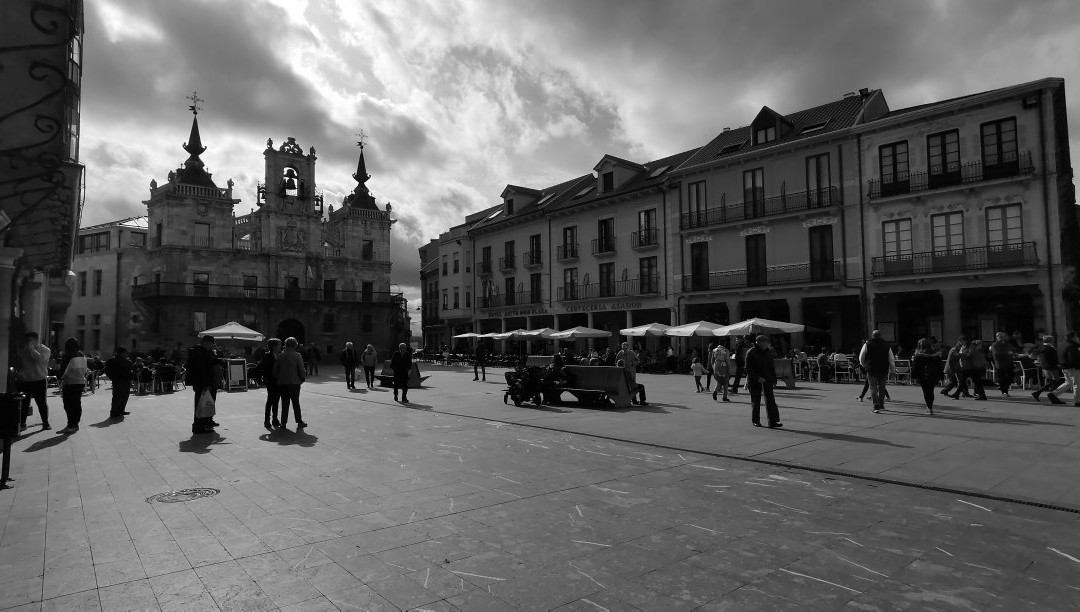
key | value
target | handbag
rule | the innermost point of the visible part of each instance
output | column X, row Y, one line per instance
column 206, row 407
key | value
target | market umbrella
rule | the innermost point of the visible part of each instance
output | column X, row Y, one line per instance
column 232, row 331
column 467, row 335
column 534, row 334
column 509, row 334
column 650, row 329
column 698, row 328
column 580, row 332
column 758, row 326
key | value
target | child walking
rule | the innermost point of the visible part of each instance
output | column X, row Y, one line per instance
column 698, row 371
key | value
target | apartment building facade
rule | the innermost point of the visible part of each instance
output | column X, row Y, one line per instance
column 947, row 218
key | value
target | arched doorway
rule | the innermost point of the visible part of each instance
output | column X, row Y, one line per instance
column 291, row 327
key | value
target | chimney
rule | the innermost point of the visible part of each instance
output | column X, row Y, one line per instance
column 864, row 92
column 727, row 129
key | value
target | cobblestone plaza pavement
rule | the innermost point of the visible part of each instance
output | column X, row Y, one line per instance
column 458, row 502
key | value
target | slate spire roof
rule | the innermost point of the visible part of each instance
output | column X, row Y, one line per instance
column 194, row 170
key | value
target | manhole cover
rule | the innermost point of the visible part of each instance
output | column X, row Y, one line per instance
column 182, row 495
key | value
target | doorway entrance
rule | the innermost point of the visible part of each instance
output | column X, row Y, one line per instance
column 291, row 327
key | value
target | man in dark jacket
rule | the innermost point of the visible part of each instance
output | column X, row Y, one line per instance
column 273, row 392
column 760, row 379
column 1002, row 353
column 741, row 348
column 1070, row 369
column 1046, row 358
column 479, row 368
column 401, row 364
column 877, row 359
column 118, row 369
column 204, row 373
column 349, row 360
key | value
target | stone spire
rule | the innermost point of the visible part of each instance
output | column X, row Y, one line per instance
column 361, row 197
column 361, row 175
column 194, row 145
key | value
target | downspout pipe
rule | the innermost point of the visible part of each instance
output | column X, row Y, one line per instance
column 865, row 314
column 1044, row 171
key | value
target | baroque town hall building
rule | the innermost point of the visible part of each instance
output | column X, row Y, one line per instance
column 949, row 218
column 288, row 268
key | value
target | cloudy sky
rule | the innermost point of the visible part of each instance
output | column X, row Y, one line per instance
column 462, row 97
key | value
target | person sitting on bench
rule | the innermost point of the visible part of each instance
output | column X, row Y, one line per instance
column 637, row 390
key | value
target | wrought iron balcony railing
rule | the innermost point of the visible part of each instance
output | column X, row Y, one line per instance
column 485, row 266
column 567, row 251
column 624, row 288
column 796, row 274
column 765, row 207
column 533, row 259
column 510, row 299
column 957, row 260
column 507, row 263
column 603, row 246
column 938, row 177
column 645, row 239
column 163, row 289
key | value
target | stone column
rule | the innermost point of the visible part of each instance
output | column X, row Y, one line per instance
column 795, row 315
column 950, row 314
column 8, row 255
column 35, row 305
column 591, row 324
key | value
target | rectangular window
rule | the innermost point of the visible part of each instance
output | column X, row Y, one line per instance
column 647, row 228
column 95, row 320
column 468, row 298
column 948, row 232
column 757, row 273
column 607, row 279
column 943, row 158
column 199, row 321
column 605, row 236
column 457, row 303
column 82, row 284
column 80, row 335
column 821, row 253
column 509, row 252
column 98, row 278
column 608, row 181
column 367, row 250
column 536, row 288
column 138, row 239
column 251, row 286
column 367, row 288
column 200, row 284
column 95, row 339
column 329, row 289
column 80, row 320
column 999, row 152
column 648, row 280
column 328, row 323
column 445, row 265
column 695, row 203
column 897, row 237
column 200, row 235
column 533, row 256
column 570, row 284
column 485, row 255
column 754, row 193
column 292, row 287
column 456, row 264
column 893, row 160
column 445, row 299
column 366, row 323
column 818, row 180
column 765, row 135
column 158, row 235
column 94, row 243
column 699, row 266
column 1004, row 226
column 569, row 242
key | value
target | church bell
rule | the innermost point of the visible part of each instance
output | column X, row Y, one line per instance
column 290, row 179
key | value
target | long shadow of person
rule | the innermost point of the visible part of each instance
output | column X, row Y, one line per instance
column 46, row 443
column 108, row 422
column 288, row 437
column 200, row 443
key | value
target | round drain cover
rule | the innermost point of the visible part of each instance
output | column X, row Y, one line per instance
column 183, row 495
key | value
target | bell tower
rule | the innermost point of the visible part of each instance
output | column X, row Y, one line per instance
column 289, row 217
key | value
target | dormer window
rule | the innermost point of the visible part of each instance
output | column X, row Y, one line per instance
column 731, row 148
column 764, row 135
column 607, row 182
column 510, row 206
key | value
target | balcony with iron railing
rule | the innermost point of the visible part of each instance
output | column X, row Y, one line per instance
column 485, row 266
column 567, row 251
column 518, row 298
column 784, row 203
column 205, row 242
column 772, row 276
column 533, row 259
column 507, row 263
column 949, row 175
column 167, row 290
column 649, row 285
column 971, row 259
column 645, row 239
column 603, row 246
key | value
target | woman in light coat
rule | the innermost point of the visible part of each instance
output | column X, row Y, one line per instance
column 368, row 359
column 73, row 368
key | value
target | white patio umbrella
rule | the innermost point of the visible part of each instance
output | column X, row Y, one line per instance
column 580, row 332
column 467, row 335
column 535, row 334
column 650, row 329
column 232, row 331
column 508, row 334
column 698, row 328
column 758, row 326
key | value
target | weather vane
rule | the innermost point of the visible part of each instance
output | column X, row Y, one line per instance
column 363, row 138
column 195, row 99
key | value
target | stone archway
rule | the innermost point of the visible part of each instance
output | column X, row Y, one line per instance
column 291, row 327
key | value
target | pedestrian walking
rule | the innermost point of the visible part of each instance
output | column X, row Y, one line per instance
column 973, row 367
column 313, row 362
column 401, row 364
column 741, row 347
column 720, row 360
column 289, row 371
column 73, row 368
column 707, row 362
column 479, row 362
column 877, row 359
column 926, row 370
column 368, row 359
column 349, row 360
column 1046, row 358
column 273, row 392
column 204, row 374
column 1070, row 369
column 760, row 379
column 33, row 362
column 698, row 370
column 1002, row 355
column 119, row 370
column 954, row 371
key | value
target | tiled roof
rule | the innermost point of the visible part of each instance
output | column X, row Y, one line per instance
column 539, row 204
column 140, row 222
column 840, row 114
column 643, row 180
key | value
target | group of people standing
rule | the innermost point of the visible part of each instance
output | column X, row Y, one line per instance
column 32, row 376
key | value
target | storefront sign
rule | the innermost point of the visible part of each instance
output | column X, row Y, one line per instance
column 820, row 221
column 605, row 306
column 525, row 312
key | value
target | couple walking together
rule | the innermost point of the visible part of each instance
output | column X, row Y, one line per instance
column 283, row 372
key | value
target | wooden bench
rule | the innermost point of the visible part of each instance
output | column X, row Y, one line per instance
column 606, row 385
column 386, row 377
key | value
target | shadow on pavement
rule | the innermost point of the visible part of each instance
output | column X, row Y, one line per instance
column 46, row 443
column 288, row 437
column 415, row 406
column 108, row 422
column 941, row 412
column 200, row 443
column 845, row 437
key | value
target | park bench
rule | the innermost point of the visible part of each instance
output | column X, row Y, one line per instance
column 602, row 385
column 386, row 377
